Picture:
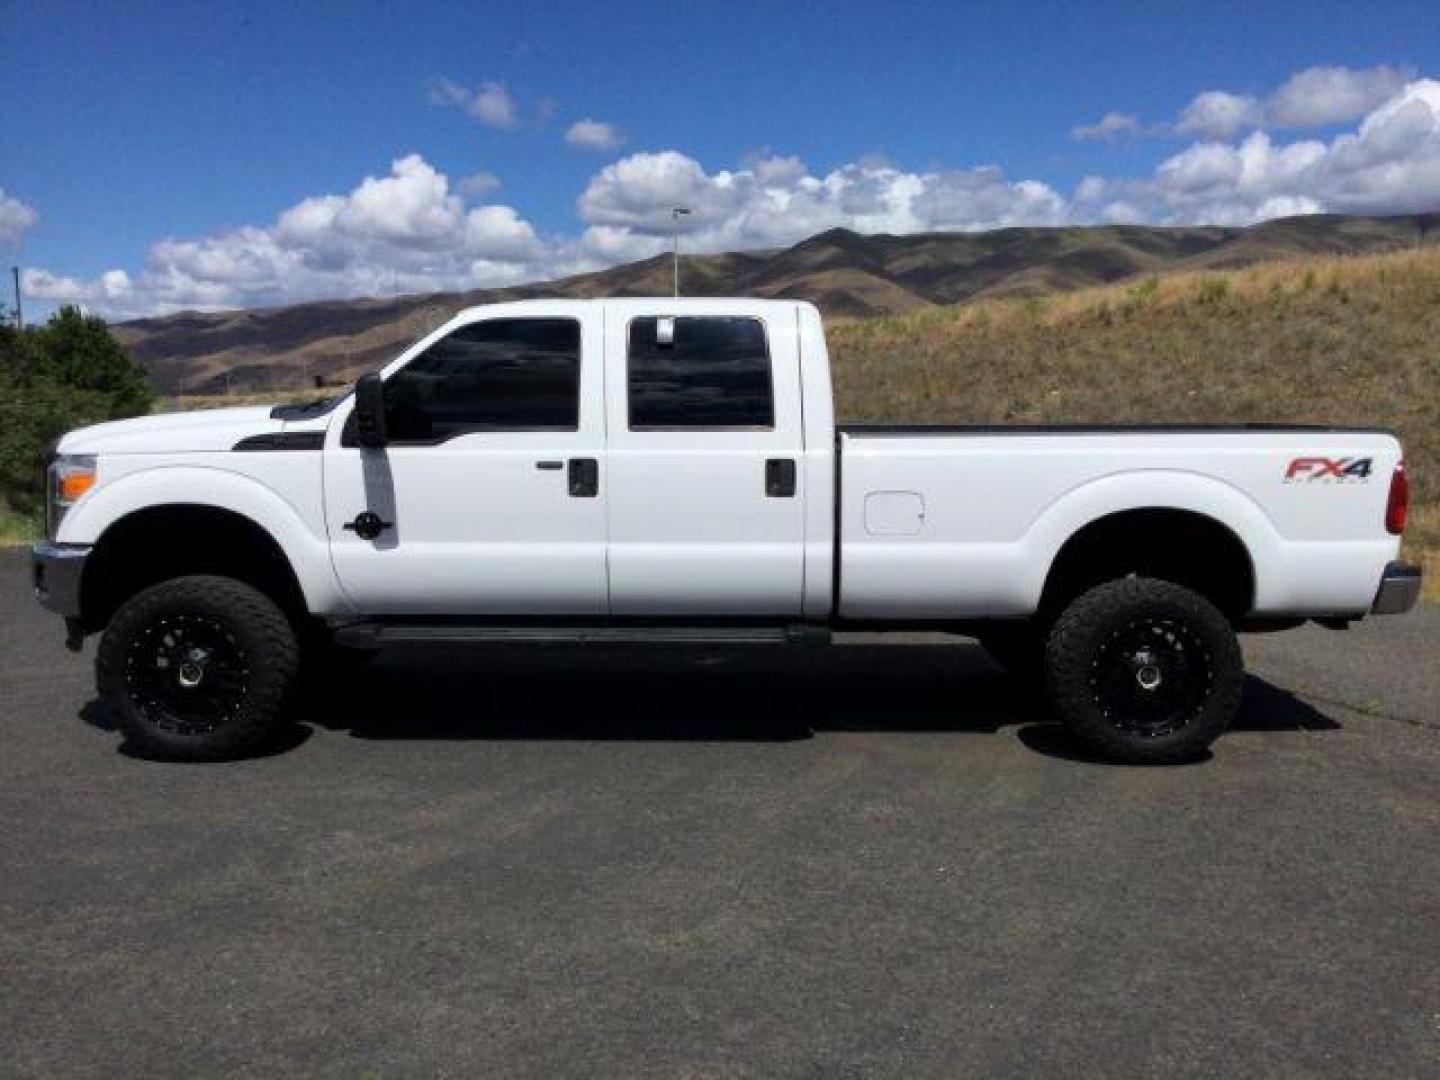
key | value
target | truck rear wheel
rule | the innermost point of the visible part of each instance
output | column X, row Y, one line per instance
column 1144, row 671
column 197, row 668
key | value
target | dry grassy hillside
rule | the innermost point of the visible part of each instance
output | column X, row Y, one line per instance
column 1339, row 340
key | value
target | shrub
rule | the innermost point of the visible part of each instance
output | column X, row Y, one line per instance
column 77, row 350
column 66, row 374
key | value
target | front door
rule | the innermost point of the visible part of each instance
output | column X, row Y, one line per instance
column 703, row 463
column 489, row 498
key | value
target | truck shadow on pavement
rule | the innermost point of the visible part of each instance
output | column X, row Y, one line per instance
column 700, row 695
column 693, row 694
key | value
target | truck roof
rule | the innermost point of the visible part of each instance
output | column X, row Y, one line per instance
column 678, row 305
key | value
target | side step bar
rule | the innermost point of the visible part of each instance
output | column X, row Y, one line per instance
column 382, row 635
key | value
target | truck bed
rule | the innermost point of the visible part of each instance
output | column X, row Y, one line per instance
column 960, row 521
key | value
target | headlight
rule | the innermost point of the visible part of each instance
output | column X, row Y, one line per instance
column 67, row 477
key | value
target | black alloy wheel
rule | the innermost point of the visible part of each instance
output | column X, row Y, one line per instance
column 187, row 674
column 1152, row 676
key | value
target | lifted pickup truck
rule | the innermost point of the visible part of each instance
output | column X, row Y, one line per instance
column 670, row 470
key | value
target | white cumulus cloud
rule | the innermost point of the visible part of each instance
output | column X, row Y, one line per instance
column 16, row 218
column 1389, row 164
column 1216, row 114
column 490, row 102
column 494, row 106
column 593, row 135
column 405, row 229
column 1108, row 128
column 1320, row 96
column 776, row 201
column 477, row 185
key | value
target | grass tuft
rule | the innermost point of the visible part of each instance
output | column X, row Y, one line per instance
column 18, row 530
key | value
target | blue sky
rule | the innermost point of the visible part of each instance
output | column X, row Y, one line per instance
column 163, row 156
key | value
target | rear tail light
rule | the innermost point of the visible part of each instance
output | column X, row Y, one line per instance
column 1398, row 503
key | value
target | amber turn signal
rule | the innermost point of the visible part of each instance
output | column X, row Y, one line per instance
column 74, row 484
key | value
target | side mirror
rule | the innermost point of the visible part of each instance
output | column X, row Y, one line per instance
column 370, row 411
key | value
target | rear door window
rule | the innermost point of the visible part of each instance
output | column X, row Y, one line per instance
column 713, row 373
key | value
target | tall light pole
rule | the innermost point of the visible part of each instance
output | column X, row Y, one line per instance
column 19, row 315
column 676, row 213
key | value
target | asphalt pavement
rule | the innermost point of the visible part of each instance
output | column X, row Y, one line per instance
column 871, row 860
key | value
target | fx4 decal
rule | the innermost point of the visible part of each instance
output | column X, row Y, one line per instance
column 1331, row 470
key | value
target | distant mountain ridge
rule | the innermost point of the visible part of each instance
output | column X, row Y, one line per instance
column 845, row 273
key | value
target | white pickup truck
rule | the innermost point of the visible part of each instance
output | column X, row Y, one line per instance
column 670, row 470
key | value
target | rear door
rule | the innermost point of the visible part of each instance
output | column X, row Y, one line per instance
column 704, row 448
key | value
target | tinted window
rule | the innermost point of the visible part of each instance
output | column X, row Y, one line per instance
column 715, row 374
column 499, row 375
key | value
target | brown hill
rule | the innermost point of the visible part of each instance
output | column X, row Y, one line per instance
column 845, row 273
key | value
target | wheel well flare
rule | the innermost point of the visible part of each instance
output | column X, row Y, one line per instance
column 149, row 546
column 1182, row 546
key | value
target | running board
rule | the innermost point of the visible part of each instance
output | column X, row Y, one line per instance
column 382, row 635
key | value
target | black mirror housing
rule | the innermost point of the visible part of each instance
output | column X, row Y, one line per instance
column 370, row 411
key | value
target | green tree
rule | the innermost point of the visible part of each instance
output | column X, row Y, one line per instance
column 66, row 374
column 17, row 351
column 78, row 350
column 33, row 412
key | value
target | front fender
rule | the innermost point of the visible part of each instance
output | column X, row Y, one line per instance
column 197, row 485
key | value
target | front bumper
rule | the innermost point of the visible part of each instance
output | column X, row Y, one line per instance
column 56, row 569
column 1399, row 589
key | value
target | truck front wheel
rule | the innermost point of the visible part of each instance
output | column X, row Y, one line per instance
column 197, row 668
column 1144, row 671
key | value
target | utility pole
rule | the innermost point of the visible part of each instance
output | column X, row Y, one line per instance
column 676, row 213
column 19, row 315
